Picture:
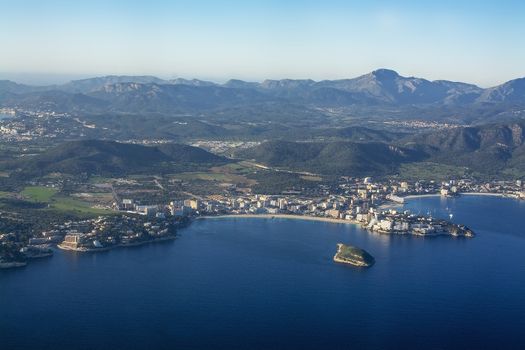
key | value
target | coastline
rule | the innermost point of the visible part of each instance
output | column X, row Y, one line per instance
column 488, row 194
column 415, row 196
column 279, row 216
column 121, row 245
column 322, row 219
column 350, row 261
column 12, row 264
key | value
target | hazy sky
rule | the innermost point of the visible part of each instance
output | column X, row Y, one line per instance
column 476, row 41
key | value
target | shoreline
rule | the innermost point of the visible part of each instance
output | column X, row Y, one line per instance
column 323, row 219
column 350, row 261
column 415, row 196
column 488, row 194
column 427, row 195
column 12, row 265
column 279, row 216
column 121, row 245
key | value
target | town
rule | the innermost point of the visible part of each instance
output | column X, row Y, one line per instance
column 376, row 206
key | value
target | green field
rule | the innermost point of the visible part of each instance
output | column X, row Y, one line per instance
column 73, row 205
column 49, row 195
column 202, row 176
column 5, row 194
column 38, row 193
column 213, row 176
column 241, row 168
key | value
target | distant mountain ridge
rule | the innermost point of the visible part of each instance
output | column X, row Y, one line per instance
column 382, row 87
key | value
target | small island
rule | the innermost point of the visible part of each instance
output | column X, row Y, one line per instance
column 347, row 254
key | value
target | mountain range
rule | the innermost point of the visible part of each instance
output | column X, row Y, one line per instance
column 381, row 90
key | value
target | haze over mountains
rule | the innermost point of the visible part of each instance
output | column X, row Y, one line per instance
column 379, row 89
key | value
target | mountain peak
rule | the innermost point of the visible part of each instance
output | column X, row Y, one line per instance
column 191, row 82
column 385, row 73
column 237, row 83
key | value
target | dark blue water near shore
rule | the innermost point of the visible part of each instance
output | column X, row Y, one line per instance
column 268, row 284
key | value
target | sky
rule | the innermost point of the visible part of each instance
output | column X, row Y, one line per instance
column 48, row 41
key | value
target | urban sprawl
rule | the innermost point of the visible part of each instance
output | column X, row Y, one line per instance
column 376, row 206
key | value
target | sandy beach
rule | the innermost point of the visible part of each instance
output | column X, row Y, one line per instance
column 279, row 216
column 414, row 196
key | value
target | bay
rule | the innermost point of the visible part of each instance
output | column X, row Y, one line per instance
column 272, row 284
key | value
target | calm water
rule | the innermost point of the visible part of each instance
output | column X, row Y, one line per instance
column 256, row 283
column 5, row 116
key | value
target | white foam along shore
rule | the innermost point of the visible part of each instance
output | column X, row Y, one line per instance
column 279, row 216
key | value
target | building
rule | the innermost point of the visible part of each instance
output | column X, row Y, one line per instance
column 71, row 241
column 149, row 210
column 192, row 203
column 182, row 211
column 396, row 199
column 333, row 213
column 385, row 225
column 127, row 204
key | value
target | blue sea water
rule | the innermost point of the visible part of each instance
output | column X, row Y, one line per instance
column 272, row 284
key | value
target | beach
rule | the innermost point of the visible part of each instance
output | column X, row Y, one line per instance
column 486, row 194
column 414, row 196
column 279, row 216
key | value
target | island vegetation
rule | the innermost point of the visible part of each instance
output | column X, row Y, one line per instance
column 347, row 254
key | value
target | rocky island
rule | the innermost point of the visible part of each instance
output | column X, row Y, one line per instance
column 348, row 254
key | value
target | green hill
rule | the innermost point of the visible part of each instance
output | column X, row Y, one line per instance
column 489, row 149
column 113, row 158
column 335, row 158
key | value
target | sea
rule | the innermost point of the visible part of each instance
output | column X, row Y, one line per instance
column 271, row 284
